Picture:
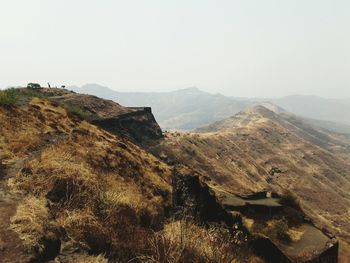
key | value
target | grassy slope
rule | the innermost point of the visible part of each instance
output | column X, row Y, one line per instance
column 239, row 153
column 74, row 175
column 95, row 192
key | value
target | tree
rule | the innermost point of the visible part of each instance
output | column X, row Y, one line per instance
column 33, row 86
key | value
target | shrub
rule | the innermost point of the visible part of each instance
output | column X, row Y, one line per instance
column 8, row 97
column 75, row 111
column 280, row 230
column 33, row 86
column 276, row 229
column 290, row 199
column 84, row 227
column 31, row 93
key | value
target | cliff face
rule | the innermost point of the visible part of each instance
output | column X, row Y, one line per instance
column 138, row 124
column 193, row 197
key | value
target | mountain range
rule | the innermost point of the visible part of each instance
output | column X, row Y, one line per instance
column 191, row 108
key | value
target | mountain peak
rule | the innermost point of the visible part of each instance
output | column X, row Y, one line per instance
column 259, row 109
column 190, row 89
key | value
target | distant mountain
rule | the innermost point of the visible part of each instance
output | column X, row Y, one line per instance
column 184, row 109
column 191, row 108
column 335, row 110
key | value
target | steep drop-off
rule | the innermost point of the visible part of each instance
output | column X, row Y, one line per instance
column 135, row 123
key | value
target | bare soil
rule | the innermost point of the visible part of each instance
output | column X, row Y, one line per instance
column 11, row 247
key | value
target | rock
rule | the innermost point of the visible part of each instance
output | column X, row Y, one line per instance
column 191, row 197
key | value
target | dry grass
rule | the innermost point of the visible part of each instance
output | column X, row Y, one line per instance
column 104, row 193
column 31, row 221
column 90, row 259
column 182, row 241
column 22, row 131
column 84, row 227
column 58, row 176
column 14, row 141
column 101, row 210
column 239, row 159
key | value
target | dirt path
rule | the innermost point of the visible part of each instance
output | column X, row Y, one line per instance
column 11, row 248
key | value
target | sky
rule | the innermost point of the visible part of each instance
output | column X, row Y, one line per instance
column 245, row 48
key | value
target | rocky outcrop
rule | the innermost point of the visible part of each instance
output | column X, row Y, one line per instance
column 138, row 124
column 271, row 253
column 266, row 249
column 329, row 255
column 135, row 123
column 313, row 246
column 194, row 198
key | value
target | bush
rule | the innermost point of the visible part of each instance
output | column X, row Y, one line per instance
column 33, row 86
column 290, row 199
column 8, row 97
column 75, row 111
column 32, row 93
column 280, row 230
column 276, row 229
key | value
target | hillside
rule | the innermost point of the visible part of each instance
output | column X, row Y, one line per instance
column 191, row 108
column 258, row 150
column 135, row 123
column 73, row 192
column 65, row 173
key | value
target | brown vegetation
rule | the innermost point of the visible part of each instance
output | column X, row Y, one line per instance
column 86, row 195
column 82, row 184
column 239, row 153
column 182, row 241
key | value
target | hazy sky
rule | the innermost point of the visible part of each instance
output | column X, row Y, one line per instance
column 261, row 48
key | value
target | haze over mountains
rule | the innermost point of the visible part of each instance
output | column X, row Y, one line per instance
column 191, row 108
